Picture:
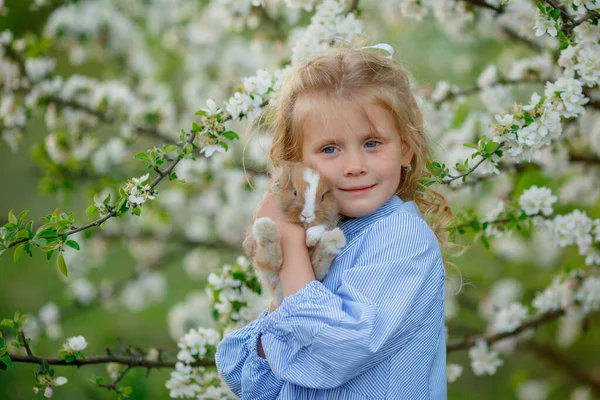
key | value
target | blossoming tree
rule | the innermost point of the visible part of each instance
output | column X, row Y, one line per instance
column 113, row 83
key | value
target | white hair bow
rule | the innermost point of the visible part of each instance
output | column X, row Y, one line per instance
column 382, row 46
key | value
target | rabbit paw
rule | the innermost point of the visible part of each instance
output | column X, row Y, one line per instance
column 314, row 234
column 265, row 230
column 334, row 241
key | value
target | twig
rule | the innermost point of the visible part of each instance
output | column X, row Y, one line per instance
column 566, row 17
column 569, row 367
column 452, row 178
column 353, row 6
column 495, row 222
column 148, row 131
column 12, row 53
column 25, row 344
column 483, row 4
column 113, row 213
column 466, row 92
column 470, row 341
column 589, row 15
column 133, row 362
column 113, row 384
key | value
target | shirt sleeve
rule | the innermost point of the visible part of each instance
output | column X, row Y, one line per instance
column 320, row 339
column 247, row 374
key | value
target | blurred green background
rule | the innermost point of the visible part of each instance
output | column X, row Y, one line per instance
column 31, row 283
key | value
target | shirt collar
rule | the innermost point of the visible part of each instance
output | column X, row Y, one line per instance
column 354, row 226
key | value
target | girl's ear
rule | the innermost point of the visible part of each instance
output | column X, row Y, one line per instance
column 407, row 155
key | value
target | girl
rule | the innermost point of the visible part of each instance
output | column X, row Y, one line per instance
column 374, row 328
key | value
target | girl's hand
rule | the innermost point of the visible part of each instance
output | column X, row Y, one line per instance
column 272, row 307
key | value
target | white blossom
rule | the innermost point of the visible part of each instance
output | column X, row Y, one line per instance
column 483, row 360
column 453, row 372
column 210, row 149
column 566, row 96
column 589, row 294
column 533, row 390
column 537, row 200
column 508, row 319
column 543, row 24
column 75, row 343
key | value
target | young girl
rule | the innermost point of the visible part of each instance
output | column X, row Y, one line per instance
column 374, row 328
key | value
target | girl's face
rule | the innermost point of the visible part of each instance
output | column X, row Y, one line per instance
column 365, row 169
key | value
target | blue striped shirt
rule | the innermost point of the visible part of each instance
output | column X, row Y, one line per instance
column 374, row 329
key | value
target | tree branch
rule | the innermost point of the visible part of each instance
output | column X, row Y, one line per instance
column 467, row 92
column 558, row 359
column 137, row 361
column 353, row 7
column 565, row 16
column 132, row 362
column 113, row 213
column 469, row 341
column 113, row 384
column 25, row 344
column 483, row 4
column 146, row 130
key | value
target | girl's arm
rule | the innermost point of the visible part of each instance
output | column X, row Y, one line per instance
column 393, row 290
column 241, row 368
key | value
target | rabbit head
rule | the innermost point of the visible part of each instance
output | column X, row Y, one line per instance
column 305, row 197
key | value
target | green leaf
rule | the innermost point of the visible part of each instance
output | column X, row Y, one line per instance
column 7, row 361
column 485, row 241
column 49, row 254
column 7, row 323
column 231, row 135
column 173, row 176
column 223, row 145
column 22, row 217
column 47, row 234
column 73, row 244
column 555, row 14
column 11, row 217
column 22, row 234
column 491, row 147
column 19, row 252
column 170, row 148
column 137, row 211
column 471, row 145
column 40, row 242
column 143, row 156
column 541, row 7
column 62, row 265
column 196, row 127
column 91, row 211
column 200, row 112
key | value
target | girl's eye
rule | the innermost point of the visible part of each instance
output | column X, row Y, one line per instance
column 326, row 150
column 373, row 142
column 295, row 193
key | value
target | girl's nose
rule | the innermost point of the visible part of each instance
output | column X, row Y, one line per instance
column 355, row 166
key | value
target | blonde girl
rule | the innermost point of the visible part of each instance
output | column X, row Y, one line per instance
column 374, row 328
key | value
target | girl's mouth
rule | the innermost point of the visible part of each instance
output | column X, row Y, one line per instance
column 359, row 190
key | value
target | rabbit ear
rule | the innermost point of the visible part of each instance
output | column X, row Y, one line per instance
column 282, row 176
